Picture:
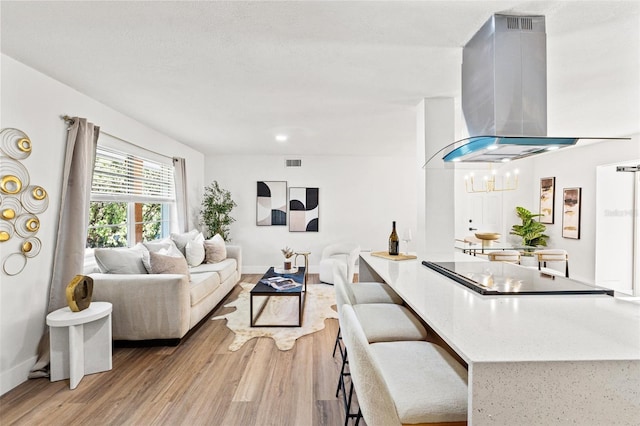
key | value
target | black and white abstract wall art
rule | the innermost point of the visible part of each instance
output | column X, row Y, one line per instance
column 271, row 205
column 303, row 209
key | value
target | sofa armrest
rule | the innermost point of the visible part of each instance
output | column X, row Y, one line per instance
column 235, row 252
column 145, row 306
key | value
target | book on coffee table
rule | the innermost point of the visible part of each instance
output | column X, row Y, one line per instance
column 280, row 283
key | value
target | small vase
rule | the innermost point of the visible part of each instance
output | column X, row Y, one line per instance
column 287, row 265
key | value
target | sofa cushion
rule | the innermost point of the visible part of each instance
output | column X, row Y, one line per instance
column 194, row 250
column 203, row 285
column 181, row 240
column 120, row 260
column 215, row 249
column 164, row 246
column 165, row 264
column 225, row 269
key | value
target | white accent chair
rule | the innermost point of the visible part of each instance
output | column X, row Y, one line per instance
column 403, row 382
column 511, row 256
column 552, row 255
column 338, row 263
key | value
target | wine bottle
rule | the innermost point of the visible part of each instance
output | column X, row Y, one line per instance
column 394, row 241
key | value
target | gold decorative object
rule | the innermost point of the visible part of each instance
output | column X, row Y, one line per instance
column 487, row 237
column 489, row 182
column 79, row 292
column 15, row 144
column 19, row 202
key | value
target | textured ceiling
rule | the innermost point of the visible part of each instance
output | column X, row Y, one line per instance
column 340, row 78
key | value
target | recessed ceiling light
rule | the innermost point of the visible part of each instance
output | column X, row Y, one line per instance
column 552, row 148
column 492, row 147
column 282, row 138
column 506, row 160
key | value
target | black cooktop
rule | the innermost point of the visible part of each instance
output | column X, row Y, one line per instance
column 500, row 278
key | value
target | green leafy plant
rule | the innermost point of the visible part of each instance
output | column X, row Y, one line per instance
column 216, row 208
column 531, row 231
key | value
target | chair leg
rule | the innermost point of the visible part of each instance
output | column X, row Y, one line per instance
column 342, row 373
column 337, row 343
column 358, row 417
column 539, row 266
column 566, row 272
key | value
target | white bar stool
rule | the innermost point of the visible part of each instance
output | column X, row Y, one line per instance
column 511, row 256
column 400, row 383
column 80, row 342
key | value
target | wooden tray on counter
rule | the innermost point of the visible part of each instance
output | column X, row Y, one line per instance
column 386, row 255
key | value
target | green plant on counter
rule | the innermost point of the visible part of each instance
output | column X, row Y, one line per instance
column 531, row 231
column 216, row 208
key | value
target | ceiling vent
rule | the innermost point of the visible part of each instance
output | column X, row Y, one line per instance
column 293, row 163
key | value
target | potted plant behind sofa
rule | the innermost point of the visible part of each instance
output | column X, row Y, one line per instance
column 216, row 208
column 531, row 231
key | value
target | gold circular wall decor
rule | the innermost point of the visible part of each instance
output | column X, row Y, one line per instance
column 31, row 247
column 6, row 231
column 19, row 201
column 15, row 144
column 13, row 176
column 14, row 264
column 26, row 225
column 35, row 199
column 10, row 184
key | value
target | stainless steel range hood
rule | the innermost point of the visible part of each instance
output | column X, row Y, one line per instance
column 504, row 92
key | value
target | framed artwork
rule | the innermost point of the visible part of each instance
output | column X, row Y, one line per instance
column 271, row 204
column 571, row 200
column 303, row 209
column 547, row 199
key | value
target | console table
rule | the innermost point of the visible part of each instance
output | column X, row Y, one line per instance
column 80, row 342
column 559, row 359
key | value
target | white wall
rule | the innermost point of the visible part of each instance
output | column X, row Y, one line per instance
column 33, row 103
column 359, row 198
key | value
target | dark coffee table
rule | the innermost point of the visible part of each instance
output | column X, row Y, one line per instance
column 261, row 289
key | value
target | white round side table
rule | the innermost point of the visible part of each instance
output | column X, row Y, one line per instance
column 80, row 342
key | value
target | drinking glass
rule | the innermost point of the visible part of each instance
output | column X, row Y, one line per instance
column 406, row 237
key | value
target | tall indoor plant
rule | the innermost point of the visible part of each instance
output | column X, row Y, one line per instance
column 216, row 208
column 531, row 231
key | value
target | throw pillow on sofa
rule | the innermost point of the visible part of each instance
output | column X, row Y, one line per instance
column 164, row 264
column 120, row 260
column 215, row 249
column 164, row 246
column 194, row 250
column 181, row 240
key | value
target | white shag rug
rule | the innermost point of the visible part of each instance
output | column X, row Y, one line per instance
column 280, row 310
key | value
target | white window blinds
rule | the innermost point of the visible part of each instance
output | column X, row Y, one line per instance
column 118, row 176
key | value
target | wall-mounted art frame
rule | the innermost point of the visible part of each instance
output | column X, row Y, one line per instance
column 571, row 205
column 271, row 203
column 547, row 199
column 303, row 209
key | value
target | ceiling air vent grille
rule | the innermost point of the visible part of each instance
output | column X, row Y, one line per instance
column 513, row 23
column 293, row 163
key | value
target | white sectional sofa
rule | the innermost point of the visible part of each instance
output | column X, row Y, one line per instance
column 165, row 306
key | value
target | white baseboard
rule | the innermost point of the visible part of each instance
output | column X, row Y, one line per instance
column 17, row 375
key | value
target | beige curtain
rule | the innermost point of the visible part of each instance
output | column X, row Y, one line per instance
column 73, row 220
column 180, row 179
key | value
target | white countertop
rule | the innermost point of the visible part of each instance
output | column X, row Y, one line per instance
column 484, row 328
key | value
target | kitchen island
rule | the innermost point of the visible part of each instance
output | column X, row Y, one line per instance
column 532, row 359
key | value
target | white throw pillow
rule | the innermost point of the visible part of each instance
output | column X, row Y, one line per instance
column 194, row 250
column 181, row 240
column 120, row 260
column 215, row 249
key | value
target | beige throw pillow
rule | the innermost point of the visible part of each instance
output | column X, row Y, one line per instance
column 163, row 264
column 181, row 240
column 215, row 250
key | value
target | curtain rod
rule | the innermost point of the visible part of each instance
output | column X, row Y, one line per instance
column 70, row 120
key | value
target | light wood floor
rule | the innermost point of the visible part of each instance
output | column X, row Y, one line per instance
column 198, row 382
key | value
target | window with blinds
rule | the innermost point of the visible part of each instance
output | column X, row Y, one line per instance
column 119, row 176
column 131, row 199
